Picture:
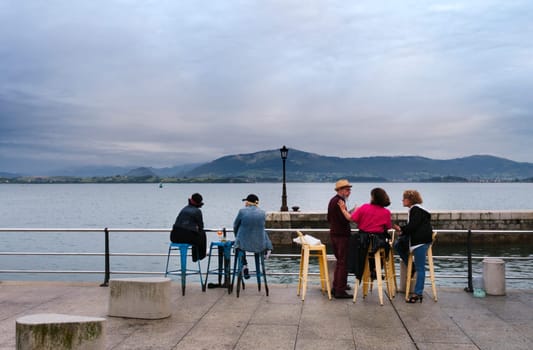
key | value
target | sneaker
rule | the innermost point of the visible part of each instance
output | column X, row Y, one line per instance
column 245, row 273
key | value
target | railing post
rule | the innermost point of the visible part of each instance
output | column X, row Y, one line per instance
column 107, row 272
column 224, row 233
column 469, row 289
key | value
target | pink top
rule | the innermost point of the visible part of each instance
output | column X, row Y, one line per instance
column 372, row 218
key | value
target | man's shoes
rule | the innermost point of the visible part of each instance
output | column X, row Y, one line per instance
column 246, row 273
column 343, row 296
column 347, row 288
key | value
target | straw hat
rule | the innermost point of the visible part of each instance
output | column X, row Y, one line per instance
column 342, row 183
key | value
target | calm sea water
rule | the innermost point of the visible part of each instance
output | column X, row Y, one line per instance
column 148, row 206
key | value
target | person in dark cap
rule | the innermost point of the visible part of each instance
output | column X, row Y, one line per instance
column 189, row 227
column 249, row 229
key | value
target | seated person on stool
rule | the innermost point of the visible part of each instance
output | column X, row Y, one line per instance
column 372, row 218
column 249, row 229
column 189, row 227
column 415, row 237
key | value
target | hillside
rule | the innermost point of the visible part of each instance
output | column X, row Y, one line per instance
column 266, row 166
column 304, row 166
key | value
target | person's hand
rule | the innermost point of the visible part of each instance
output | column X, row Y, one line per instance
column 397, row 228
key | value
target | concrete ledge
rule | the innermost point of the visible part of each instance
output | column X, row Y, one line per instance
column 502, row 220
column 144, row 297
column 57, row 331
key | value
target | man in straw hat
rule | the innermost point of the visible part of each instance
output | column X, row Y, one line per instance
column 339, row 230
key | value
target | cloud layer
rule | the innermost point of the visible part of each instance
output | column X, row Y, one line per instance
column 161, row 83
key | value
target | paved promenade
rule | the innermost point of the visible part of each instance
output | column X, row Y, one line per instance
column 216, row 320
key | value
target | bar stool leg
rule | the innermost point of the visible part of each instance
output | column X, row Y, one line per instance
column 264, row 273
column 183, row 257
column 366, row 275
column 389, row 274
column 408, row 276
column 305, row 271
column 239, row 272
column 393, row 270
column 257, row 271
column 300, row 274
column 377, row 260
column 168, row 258
column 432, row 273
column 208, row 266
column 324, row 274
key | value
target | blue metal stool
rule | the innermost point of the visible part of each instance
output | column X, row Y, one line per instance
column 259, row 270
column 224, row 263
column 183, row 271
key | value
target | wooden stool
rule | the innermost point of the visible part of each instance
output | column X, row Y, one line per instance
column 382, row 259
column 318, row 251
column 431, row 270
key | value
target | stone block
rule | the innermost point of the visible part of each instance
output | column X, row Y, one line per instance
column 144, row 297
column 58, row 331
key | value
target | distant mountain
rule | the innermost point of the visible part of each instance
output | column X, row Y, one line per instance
column 9, row 175
column 140, row 172
column 91, row 171
column 175, row 171
column 266, row 166
column 303, row 166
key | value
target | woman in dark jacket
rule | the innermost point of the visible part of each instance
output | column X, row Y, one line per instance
column 415, row 237
column 189, row 227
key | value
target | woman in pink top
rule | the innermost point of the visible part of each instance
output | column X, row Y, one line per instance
column 373, row 217
column 373, row 221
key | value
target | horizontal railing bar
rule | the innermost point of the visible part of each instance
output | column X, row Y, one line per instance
column 162, row 273
column 167, row 230
column 437, row 257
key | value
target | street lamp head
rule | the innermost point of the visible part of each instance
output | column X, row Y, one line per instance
column 284, row 152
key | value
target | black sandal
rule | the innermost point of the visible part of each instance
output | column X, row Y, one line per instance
column 415, row 298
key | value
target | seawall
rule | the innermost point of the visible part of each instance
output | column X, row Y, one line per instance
column 516, row 220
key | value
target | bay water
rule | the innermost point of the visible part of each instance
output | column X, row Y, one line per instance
column 149, row 206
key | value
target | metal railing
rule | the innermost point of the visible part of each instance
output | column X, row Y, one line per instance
column 107, row 254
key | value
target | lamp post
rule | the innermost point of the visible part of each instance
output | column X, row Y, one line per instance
column 284, row 152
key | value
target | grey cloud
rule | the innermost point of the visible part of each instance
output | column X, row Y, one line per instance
column 169, row 82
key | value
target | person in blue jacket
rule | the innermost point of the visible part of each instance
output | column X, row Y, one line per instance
column 249, row 229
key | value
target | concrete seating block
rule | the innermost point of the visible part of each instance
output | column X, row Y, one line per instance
column 58, row 331
column 144, row 297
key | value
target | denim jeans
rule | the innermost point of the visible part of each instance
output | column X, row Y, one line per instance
column 420, row 266
column 402, row 250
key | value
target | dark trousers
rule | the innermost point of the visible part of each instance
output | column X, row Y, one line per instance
column 340, row 249
column 197, row 239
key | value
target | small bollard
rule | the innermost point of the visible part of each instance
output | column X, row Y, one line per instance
column 494, row 276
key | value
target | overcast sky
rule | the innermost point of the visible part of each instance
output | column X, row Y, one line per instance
column 162, row 83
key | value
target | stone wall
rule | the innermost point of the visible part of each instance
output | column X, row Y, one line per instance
column 441, row 220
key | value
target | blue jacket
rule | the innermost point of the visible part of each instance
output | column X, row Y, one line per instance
column 249, row 228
